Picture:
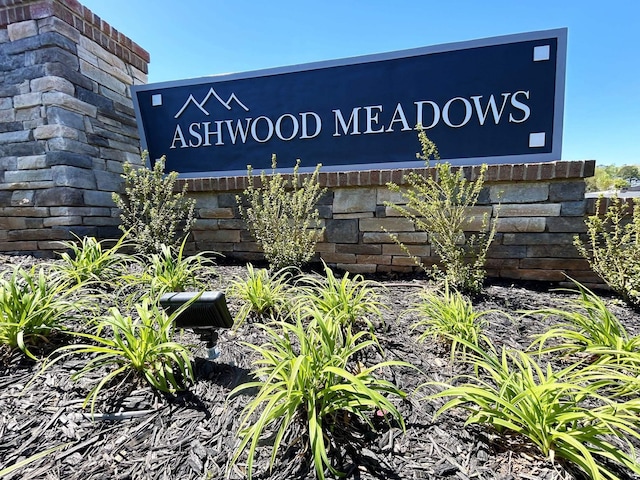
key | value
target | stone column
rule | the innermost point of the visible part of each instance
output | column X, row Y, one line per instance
column 66, row 122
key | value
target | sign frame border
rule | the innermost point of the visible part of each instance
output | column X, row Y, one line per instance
column 560, row 34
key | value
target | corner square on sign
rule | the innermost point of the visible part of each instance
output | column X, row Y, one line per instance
column 536, row 139
column 541, row 53
column 156, row 100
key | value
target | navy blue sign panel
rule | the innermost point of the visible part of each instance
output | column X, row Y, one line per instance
column 497, row 100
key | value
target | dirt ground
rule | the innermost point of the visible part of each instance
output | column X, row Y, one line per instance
column 137, row 434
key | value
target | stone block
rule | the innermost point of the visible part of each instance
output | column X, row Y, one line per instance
column 31, row 163
column 341, row 231
column 507, row 251
column 374, row 259
column 567, row 191
column 28, row 176
column 206, row 224
column 46, row 132
column 393, row 224
column 27, row 100
column 22, row 198
column 555, row 251
column 15, row 137
column 577, row 209
column 216, row 213
column 354, row 200
column 52, row 84
column 52, row 54
column 537, row 239
column 358, row 249
column 20, row 30
column 357, row 268
column 339, row 257
column 69, row 159
column 67, row 176
column 61, row 221
column 396, row 250
column 519, row 192
column 108, row 181
column 101, row 221
column 61, row 116
column 71, row 145
column 219, row 236
column 230, row 224
column 384, row 195
column 57, row 69
column 69, row 102
column 98, row 199
column 529, row 210
column 59, row 196
column 566, row 224
column 347, row 216
column 103, row 78
column 558, row 264
column 92, row 98
column 21, row 149
column 7, row 116
column 54, row 24
column 70, row 211
column 25, row 115
column 6, row 103
column 404, row 237
column 523, row 224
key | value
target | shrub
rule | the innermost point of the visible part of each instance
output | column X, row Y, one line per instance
column 142, row 346
column 33, row 305
column 282, row 215
column 613, row 247
column 261, row 293
column 306, row 378
column 150, row 210
column 440, row 205
column 560, row 412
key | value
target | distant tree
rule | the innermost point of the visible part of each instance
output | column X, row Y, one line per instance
column 629, row 172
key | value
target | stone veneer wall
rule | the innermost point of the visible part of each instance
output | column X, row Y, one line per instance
column 66, row 122
column 540, row 207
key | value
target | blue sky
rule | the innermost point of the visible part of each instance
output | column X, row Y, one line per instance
column 195, row 38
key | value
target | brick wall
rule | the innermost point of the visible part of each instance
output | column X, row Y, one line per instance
column 66, row 122
column 540, row 208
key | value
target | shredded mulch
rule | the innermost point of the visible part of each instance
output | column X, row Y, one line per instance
column 135, row 433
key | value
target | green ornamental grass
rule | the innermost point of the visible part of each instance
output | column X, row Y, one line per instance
column 561, row 412
column 305, row 376
column 352, row 299
column 33, row 305
column 141, row 345
column 262, row 293
column 448, row 316
column 87, row 260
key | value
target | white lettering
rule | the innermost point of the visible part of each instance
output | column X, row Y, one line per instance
column 254, row 129
column 294, row 131
column 178, row 136
column 467, row 115
column 373, row 118
column 345, row 126
column 491, row 105
column 398, row 116
column 217, row 132
column 305, row 131
column 436, row 114
column 520, row 106
column 193, row 130
column 238, row 130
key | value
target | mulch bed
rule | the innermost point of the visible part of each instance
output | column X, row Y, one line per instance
column 138, row 434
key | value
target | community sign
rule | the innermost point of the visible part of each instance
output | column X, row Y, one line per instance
column 495, row 100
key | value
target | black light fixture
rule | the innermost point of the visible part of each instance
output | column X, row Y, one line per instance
column 206, row 312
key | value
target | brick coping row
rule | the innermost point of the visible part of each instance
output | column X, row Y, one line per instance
column 520, row 172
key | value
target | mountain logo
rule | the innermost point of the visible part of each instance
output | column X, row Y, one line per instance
column 212, row 93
